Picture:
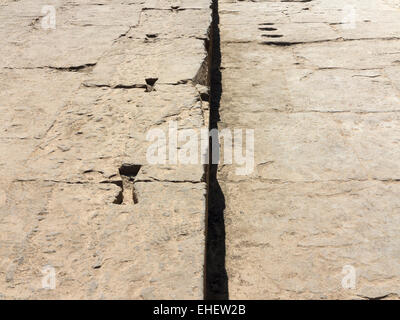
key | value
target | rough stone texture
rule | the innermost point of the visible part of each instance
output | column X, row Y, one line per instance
column 75, row 106
column 324, row 102
column 77, row 192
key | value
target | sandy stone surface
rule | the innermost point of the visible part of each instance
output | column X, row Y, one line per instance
column 84, row 215
column 76, row 193
column 322, row 93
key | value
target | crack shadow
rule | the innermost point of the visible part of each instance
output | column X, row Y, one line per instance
column 216, row 279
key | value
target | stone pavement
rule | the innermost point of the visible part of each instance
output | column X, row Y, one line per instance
column 319, row 82
column 81, row 84
column 84, row 215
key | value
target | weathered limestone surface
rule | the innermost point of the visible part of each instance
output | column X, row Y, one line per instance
column 75, row 110
column 323, row 98
column 318, row 81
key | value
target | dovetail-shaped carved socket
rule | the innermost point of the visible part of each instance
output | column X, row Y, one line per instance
column 150, row 83
column 127, row 195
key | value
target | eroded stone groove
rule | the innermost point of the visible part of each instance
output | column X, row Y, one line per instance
column 216, row 278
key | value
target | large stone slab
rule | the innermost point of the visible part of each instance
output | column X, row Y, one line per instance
column 322, row 99
column 80, row 203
